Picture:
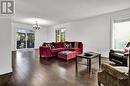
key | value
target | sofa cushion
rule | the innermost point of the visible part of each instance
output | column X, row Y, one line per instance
column 78, row 50
column 119, row 57
column 57, row 49
column 73, row 49
column 58, row 45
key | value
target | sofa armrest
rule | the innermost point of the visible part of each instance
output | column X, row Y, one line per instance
column 81, row 47
column 119, row 72
column 44, row 51
column 117, row 51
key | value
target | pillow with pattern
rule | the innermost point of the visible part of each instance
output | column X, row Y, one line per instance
column 67, row 45
column 48, row 45
column 51, row 46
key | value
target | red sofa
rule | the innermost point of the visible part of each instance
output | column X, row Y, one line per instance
column 52, row 49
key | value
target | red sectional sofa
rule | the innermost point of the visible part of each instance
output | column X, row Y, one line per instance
column 52, row 49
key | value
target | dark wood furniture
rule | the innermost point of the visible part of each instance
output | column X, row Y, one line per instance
column 88, row 56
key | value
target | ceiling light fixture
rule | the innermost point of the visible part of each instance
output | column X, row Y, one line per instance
column 36, row 26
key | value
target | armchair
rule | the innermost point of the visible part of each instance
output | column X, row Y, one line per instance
column 118, row 56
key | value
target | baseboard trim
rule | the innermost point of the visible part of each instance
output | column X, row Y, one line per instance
column 5, row 78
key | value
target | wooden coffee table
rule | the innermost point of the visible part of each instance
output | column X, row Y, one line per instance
column 88, row 56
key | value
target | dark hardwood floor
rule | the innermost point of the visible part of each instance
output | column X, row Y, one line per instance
column 30, row 70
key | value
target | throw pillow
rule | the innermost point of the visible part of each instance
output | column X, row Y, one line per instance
column 126, row 49
column 70, row 45
column 51, row 46
column 76, row 45
column 67, row 45
column 48, row 45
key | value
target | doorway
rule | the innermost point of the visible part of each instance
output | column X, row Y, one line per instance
column 25, row 38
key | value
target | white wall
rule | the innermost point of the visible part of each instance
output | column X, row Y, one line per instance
column 94, row 32
column 51, row 34
column 40, row 35
column 5, row 45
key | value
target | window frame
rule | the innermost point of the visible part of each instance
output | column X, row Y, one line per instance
column 112, row 21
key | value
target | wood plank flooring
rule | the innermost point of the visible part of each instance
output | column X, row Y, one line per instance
column 30, row 70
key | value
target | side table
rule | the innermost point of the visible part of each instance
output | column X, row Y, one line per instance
column 88, row 56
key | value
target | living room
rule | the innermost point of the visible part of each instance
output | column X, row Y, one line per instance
column 89, row 22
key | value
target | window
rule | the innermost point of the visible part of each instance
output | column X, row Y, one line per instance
column 21, row 40
column 25, row 38
column 60, row 35
column 121, row 33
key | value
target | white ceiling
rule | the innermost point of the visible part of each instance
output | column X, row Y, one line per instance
column 61, row 11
